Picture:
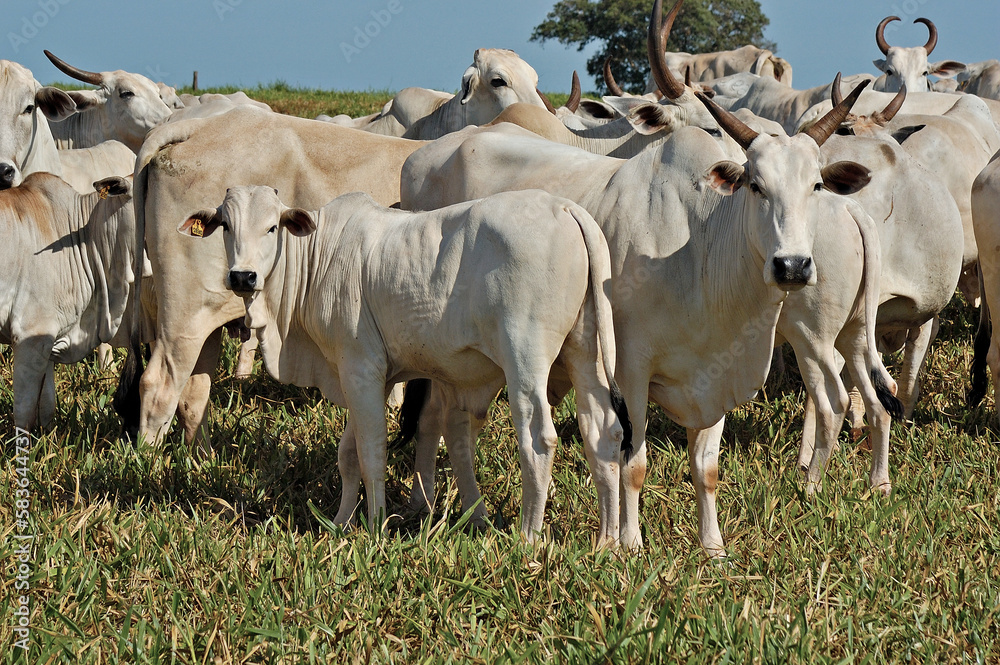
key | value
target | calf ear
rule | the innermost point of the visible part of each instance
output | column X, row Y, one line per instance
column 298, row 222
column 114, row 186
column 946, row 68
column 201, row 224
column 54, row 103
column 845, row 177
column 85, row 99
column 725, row 177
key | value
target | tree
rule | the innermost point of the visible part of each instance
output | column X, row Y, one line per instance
column 701, row 27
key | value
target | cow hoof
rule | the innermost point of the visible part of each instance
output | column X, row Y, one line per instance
column 882, row 489
column 813, row 488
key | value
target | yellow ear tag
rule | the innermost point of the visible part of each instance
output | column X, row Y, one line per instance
column 198, row 228
column 103, row 192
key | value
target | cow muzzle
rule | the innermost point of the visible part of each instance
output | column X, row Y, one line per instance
column 243, row 282
column 793, row 272
column 8, row 176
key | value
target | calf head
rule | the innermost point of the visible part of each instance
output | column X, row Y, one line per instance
column 250, row 219
column 909, row 66
column 130, row 103
column 496, row 79
column 23, row 101
column 785, row 179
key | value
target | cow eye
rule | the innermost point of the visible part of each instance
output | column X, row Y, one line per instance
column 29, row 109
column 818, row 187
column 498, row 83
column 755, row 188
column 125, row 94
column 272, row 229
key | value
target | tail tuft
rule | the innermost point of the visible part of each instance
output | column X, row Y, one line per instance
column 126, row 400
column 978, row 376
column 889, row 401
column 414, row 397
column 618, row 404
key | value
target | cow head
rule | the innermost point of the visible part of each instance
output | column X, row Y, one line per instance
column 250, row 218
column 909, row 65
column 866, row 125
column 129, row 104
column 785, row 179
column 24, row 105
column 496, row 79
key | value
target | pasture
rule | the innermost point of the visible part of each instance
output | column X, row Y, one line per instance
column 145, row 555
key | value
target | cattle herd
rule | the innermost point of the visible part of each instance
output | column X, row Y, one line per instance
column 652, row 248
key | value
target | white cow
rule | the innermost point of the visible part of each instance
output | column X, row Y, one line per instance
column 208, row 104
column 66, row 280
column 26, row 143
column 375, row 296
column 185, row 166
column 699, row 279
column 123, row 108
column 908, row 66
column 982, row 79
column 702, row 67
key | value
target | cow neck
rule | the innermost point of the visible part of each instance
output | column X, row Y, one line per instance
column 614, row 139
column 82, row 130
column 447, row 118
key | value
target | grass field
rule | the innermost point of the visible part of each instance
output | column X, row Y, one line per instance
column 145, row 555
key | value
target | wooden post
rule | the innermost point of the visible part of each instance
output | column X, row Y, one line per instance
column 194, row 82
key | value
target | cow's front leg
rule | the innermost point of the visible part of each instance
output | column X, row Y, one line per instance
column 703, row 456
column 365, row 397
column 192, row 407
column 31, row 364
column 350, row 475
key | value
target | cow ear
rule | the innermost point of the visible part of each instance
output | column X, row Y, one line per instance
column 598, row 109
column 85, row 99
column 725, row 177
column 650, row 118
column 114, row 186
column 468, row 83
column 945, row 69
column 298, row 222
column 54, row 103
column 201, row 224
column 904, row 133
column 845, row 177
column 879, row 64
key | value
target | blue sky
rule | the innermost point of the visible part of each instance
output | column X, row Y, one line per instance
column 426, row 43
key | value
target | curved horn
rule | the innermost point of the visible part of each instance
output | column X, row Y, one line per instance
column 573, row 103
column 890, row 111
column 545, row 100
column 729, row 122
column 835, row 95
column 687, row 76
column 92, row 78
column 880, row 34
column 932, row 38
column 656, row 46
column 609, row 80
column 829, row 123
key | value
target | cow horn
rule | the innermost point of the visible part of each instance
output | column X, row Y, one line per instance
column 729, row 122
column 92, row 78
column 656, row 46
column 545, row 100
column 880, row 34
column 573, row 103
column 890, row 111
column 829, row 123
column 932, row 38
column 687, row 76
column 835, row 95
column 609, row 80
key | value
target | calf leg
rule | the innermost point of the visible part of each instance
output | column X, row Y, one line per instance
column 31, row 363
column 703, row 456
column 350, row 474
column 822, row 380
column 537, row 440
column 918, row 342
column 366, row 405
column 192, row 406
column 635, row 388
column 429, row 431
column 878, row 419
column 461, row 432
column 244, row 361
column 47, row 398
column 104, row 356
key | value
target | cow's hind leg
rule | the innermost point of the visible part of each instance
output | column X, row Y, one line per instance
column 879, row 419
column 918, row 342
column 461, row 432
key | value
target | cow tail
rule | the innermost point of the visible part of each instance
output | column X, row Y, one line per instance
column 979, row 377
column 600, row 285
column 414, row 398
column 881, row 381
column 126, row 400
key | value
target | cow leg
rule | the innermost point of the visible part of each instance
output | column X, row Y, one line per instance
column 918, row 343
column 47, row 398
column 703, row 456
column 461, row 432
column 350, row 475
column 633, row 472
column 31, row 363
column 808, row 445
column 244, row 361
column 366, row 411
column 429, row 430
column 192, row 406
column 822, row 380
column 968, row 284
column 171, row 363
column 879, row 421
column 104, row 356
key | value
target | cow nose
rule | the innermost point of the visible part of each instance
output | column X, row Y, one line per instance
column 242, row 281
column 793, row 270
column 7, row 173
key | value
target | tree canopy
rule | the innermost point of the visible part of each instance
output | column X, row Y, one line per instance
column 621, row 25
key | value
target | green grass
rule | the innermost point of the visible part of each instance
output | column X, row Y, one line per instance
column 144, row 555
